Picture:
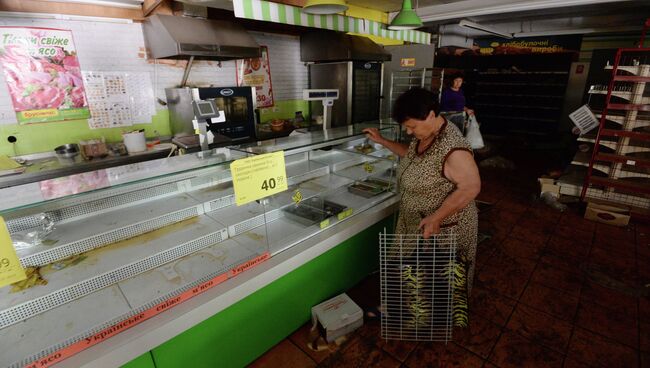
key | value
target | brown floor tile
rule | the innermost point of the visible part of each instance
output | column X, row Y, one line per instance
column 602, row 256
column 483, row 253
column 598, row 351
column 552, row 301
column 506, row 275
column 609, row 323
column 572, row 231
column 489, row 365
column 513, row 350
column 490, row 305
column 540, row 328
column 644, row 309
column 615, row 233
column 286, row 355
column 563, row 246
column 645, row 337
column 645, row 359
column 371, row 332
column 516, row 248
column 528, row 233
column 366, row 293
column 304, row 338
column 479, row 337
column 358, row 352
column 439, row 355
column 570, row 362
column 612, row 299
column 556, row 278
column 565, row 263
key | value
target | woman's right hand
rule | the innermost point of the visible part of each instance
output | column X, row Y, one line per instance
column 374, row 135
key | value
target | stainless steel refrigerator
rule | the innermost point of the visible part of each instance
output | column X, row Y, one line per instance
column 353, row 65
column 359, row 85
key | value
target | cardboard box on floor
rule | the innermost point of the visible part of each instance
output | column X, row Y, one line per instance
column 336, row 317
column 616, row 216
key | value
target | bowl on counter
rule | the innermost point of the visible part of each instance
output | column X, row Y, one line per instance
column 277, row 125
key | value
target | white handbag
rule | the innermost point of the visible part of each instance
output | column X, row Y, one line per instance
column 473, row 134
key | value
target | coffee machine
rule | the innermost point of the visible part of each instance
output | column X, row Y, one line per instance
column 211, row 117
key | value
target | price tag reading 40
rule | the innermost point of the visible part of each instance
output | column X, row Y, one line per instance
column 10, row 268
column 257, row 177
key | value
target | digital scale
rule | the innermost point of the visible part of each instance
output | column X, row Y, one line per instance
column 327, row 96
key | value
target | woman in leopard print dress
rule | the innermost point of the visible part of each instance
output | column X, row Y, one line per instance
column 437, row 176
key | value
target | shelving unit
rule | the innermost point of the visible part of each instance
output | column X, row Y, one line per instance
column 621, row 148
column 520, row 93
column 403, row 80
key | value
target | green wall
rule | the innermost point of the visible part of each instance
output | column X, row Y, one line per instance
column 43, row 137
column 239, row 334
column 284, row 110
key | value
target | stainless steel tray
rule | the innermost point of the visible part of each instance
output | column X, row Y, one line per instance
column 305, row 215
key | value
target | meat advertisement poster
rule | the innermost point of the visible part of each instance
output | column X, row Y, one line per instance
column 43, row 74
column 256, row 72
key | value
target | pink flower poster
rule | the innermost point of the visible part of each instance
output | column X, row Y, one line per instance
column 43, row 74
column 256, row 72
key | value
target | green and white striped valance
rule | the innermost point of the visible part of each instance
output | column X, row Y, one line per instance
column 287, row 14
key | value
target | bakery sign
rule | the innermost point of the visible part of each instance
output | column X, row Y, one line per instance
column 256, row 72
column 529, row 45
column 43, row 74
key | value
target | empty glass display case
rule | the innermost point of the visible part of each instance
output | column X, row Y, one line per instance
column 109, row 248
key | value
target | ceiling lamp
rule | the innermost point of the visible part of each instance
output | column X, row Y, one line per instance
column 406, row 18
column 325, row 6
column 482, row 28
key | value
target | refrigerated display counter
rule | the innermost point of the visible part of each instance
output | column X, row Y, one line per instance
column 122, row 261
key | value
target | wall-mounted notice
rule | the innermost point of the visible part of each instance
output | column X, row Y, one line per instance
column 119, row 99
column 256, row 72
column 43, row 74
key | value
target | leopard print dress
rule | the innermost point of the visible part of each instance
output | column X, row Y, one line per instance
column 424, row 187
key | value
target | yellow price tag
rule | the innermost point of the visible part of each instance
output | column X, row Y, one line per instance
column 344, row 214
column 297, row 196
column 325, row 223
column 259, row 176
column 368, row 167
column 10, row 268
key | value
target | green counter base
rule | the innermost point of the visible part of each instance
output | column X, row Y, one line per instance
column 241, row 333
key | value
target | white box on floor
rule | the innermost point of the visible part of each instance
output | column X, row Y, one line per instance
column 337, row 316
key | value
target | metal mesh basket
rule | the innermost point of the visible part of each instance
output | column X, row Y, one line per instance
column 417, row 280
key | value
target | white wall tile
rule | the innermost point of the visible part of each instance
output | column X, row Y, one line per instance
column 104, row 46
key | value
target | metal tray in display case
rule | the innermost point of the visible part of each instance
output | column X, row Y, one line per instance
column 305, row 215
column 330, row 208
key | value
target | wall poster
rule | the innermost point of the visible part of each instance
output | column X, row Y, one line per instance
column 43, row 74
column 256, row 72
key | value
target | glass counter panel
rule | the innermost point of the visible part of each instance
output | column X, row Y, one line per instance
column 309, row 140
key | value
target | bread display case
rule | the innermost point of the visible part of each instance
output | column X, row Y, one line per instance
column 108, row 249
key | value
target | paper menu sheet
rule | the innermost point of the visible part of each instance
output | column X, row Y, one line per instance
column 119, row 99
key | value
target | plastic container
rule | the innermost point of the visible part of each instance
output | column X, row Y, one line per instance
column 94, row 148
column 134, row 142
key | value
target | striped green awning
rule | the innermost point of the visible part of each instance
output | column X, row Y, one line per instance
column 287, row 14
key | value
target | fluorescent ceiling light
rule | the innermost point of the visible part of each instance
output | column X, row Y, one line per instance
column 577, row 31
column 478, row 27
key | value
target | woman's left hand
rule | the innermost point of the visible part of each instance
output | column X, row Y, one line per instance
column 429, row 226
column 469, row 112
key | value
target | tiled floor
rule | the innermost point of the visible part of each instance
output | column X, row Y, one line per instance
column 551, row 290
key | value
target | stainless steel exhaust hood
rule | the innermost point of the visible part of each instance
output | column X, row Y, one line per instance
column 322, row 46
column 175, row 37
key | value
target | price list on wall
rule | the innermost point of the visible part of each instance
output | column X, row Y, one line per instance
column 119, row 99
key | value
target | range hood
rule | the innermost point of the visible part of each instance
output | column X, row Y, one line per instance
column 323, row 46
column 176, row 37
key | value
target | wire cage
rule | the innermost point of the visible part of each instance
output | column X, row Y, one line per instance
column 417, row 286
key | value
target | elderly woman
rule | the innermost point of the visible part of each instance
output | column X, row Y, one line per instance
column 437, row 176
